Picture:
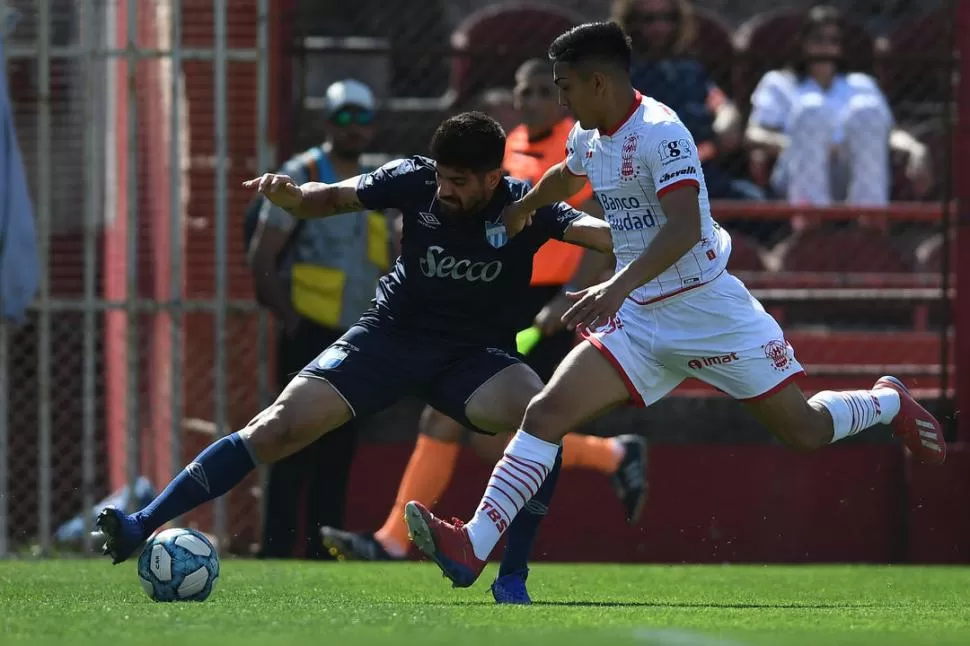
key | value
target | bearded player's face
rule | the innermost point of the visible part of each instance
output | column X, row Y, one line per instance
column 462, row 191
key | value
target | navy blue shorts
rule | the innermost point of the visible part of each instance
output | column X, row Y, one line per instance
column 373, row 366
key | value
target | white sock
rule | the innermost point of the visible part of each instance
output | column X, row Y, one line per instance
column 856, row 410
column 515, row 479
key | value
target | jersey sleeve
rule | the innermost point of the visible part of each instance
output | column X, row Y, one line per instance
column 672, row 158
column 770, row 103
column 388, row 187
column 575, row 152
column 272, row 215
column 555, row 218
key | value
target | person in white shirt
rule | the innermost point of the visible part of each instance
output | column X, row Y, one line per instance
column 832, row 130
column 670, row 311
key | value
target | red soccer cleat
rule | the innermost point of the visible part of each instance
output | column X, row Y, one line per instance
column 919, row 431
column 446, row 544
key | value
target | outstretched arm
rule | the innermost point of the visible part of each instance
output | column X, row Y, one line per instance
column 310, row 200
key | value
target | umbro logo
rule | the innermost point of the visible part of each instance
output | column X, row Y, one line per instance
column 536, row 508
column 197, row 473
column 430, row 220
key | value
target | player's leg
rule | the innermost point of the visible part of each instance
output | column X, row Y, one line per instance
column 590, row 381
column 566, row 402
column 726, row 338
column 622, row 459
column 425, row 478
column 352, row 377
column 305, row 490
column 489, row 393
column 304, row 411
column 499, row 405
column 829, row 416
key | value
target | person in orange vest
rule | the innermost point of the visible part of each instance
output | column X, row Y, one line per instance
column 531, row 148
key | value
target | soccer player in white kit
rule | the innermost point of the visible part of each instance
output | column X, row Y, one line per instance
column 670, row 311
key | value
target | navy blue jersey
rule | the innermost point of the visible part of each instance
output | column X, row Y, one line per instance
column 458, row 276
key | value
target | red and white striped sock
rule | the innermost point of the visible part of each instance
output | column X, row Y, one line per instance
column 515, row 479
column 856, row 410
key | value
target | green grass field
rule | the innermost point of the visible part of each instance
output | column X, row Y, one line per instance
column 89, row 602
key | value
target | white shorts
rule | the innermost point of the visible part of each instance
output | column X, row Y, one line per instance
column 718, row 333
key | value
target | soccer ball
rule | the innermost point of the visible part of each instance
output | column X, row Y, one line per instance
column 178, row 565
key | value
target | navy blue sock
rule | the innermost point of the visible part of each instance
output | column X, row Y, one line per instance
column 522, row 531
column 216, row 470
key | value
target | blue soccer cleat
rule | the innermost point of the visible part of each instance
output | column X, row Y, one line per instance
column 123, row 535
column 510, row 589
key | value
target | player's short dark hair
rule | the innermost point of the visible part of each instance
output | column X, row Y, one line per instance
column 593, row 42
column 470, row 141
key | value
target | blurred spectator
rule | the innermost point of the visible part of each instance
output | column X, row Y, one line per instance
column 663, row 32
column 498, row 103
column 532, row 147
column 830, row 129
column 317, row 277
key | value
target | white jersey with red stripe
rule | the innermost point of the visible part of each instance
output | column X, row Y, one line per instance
column 650, row 153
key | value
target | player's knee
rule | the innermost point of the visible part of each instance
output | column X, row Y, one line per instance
column 544, row 418
column 499, row 407
column 267, row 433
column 301, row 414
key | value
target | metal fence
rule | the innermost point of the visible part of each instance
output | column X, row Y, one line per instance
column 139, row 118
column 125, row 114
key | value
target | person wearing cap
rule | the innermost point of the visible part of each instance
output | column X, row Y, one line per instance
column 317, row 277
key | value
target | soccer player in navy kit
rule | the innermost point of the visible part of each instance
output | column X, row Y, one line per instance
column 442, row 326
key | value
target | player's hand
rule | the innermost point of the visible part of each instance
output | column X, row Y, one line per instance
column 594, row 306
column 516, row 218
column 549, row 318
column 278, row 189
